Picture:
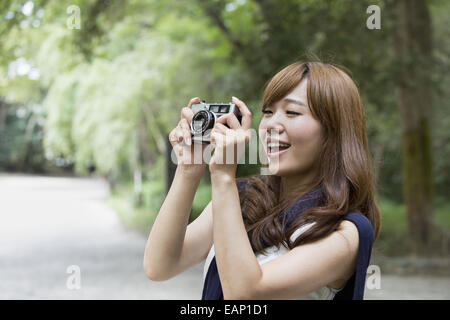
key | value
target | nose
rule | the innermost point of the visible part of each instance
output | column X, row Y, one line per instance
column 273, row 125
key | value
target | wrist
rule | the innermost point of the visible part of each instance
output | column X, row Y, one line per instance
column 222, row 178
column 191, row 172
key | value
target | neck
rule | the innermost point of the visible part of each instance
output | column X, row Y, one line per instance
column 296, row 185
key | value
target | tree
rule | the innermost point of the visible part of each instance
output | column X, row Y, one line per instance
column 415, row 100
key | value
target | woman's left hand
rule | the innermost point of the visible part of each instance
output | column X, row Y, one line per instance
column 234, row 139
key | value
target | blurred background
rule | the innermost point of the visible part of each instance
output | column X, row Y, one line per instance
column 90, row 89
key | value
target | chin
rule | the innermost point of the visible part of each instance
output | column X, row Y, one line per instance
column 286, row 168
column 280, row 171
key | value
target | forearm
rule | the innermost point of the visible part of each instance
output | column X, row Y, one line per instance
column 237, row 265
column 165, row 242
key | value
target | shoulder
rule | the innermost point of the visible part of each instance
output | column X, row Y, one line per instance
column 348, row 232
column 362, row 225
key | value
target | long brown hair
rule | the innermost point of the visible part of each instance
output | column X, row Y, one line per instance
column 346, row 171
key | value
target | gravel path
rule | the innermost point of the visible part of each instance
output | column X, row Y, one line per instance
column 48, row 224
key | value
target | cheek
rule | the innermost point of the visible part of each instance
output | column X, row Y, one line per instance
column 306, row 140
column 262, row 128
column 262, row 133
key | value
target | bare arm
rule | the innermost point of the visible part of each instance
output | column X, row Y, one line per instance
column 304, row 269
column 172, row 246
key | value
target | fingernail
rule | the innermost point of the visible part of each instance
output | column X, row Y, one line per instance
column 234, row 98
column 188, row 141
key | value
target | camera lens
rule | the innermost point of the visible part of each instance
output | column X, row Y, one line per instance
column 202, row 121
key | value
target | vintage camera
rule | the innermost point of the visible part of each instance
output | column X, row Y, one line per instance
column 205, row 116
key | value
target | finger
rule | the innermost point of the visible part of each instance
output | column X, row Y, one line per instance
column 192, row 101
column 217, row 138
column 187, row 112
column 220, row 128
column 174, row 136
column 244, row 134
column 245, row 111
column 186, row 131
column 229, row 119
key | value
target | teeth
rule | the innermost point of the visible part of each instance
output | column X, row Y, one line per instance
column 277, row 145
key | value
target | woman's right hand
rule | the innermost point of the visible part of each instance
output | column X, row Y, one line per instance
column 189, row 157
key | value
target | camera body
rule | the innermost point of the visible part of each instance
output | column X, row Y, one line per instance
column 205, row 116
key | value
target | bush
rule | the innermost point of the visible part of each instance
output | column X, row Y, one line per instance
column 394, row 238
column 141, row 217
column 201, row 199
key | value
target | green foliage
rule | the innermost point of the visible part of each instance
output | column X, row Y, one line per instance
column 153, row 194
column 20, row 141
column 201, row 199
column 142, row 216
column 111, row 91
column 394, row 239
column 96, row 108
column 393, row 235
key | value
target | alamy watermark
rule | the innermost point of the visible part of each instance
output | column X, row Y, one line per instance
column 373, row 280
column 374, row 20
column 74, row 280
column 74, row 19
column 257, row 149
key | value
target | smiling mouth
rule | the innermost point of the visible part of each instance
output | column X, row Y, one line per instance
column 276, row 151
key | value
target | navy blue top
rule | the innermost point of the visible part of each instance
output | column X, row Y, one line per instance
column 353, row 289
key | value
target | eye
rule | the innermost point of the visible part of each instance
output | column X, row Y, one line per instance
column 265, row 111
column 293, row 113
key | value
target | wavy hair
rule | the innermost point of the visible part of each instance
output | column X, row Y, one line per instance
column 345, row 169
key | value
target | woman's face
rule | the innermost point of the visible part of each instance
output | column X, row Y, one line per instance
column 290, row 121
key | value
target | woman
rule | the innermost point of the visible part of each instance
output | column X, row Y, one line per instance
column 305, row 232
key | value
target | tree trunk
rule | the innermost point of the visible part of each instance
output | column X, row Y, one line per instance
column 3, row 113
column 413, row 47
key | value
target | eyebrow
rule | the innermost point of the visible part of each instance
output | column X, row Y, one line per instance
column 299, row 102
